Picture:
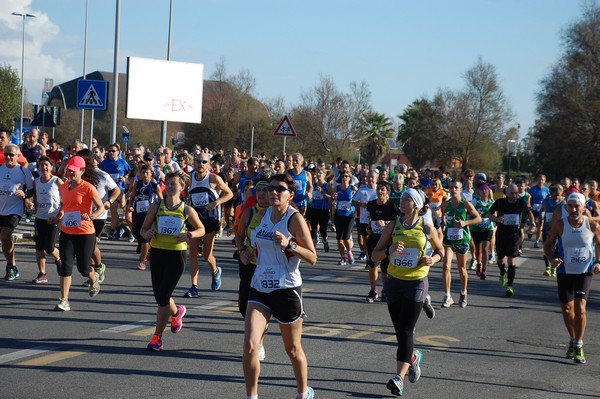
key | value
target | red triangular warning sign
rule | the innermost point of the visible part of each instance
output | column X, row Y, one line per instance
column 285, row 128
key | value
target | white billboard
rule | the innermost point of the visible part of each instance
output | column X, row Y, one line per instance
column 164, row 90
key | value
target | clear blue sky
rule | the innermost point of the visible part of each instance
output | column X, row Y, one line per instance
column 402, row 49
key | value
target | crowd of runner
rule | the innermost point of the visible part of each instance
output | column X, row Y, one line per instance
column 173, row 205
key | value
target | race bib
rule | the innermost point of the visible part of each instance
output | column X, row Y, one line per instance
column 375, row 228
column 6, row 189
column 409, row 257
column 199, row 200
column 142, row 206
column 512, row 219
column 577, row 259
column 72, row 219
column 344, row 206
column 317, row 195
column 484, row 224
column 455, row 233
column 270, row 278
column 169, row 225
column 536, row 207
column 298, row 185
column 434, row 206
column 43, row 201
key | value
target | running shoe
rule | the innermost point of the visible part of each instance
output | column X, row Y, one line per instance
column 261, row 352
column 478, row 272
column 351, row 258
column 547, row 272
column 536, row 244
column 414, row 370
column 120, row 234
column 509, row 292
column 373, row 295
column 462, row 301
column 362, row 256
column 552, row 273
column 502, row 280
column 40, row 279
column 142, row 266
column 94, row 289
column 11, row 272
column 326, row 246
column 176, row 321
column 342, row 261
column 579, row 356
column 473, row 265
column 310, row 394
column 192, row 292
column 529, row 236
column 86, row 283
column 448, row 301
column 101, row 270
column 111, row 235
column 382, row 296
column 395, row 385
column 483, row 275
column 428, row 307
column 63, row 305
column 493, row 257
column 570, row 351
column 155, row 344
column 216, row 280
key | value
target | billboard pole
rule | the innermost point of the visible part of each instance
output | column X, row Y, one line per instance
column 115, row 96
column 163, row 130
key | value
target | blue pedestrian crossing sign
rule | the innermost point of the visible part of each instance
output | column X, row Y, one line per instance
column 92, row 94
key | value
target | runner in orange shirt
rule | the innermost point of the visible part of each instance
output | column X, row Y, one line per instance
column 77, row 233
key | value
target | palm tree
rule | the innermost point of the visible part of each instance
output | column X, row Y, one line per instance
column 376, row 129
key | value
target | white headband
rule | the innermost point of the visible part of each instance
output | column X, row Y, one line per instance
column 576, row 197
column 416, row 197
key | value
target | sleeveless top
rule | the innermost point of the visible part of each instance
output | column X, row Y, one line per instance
column 47, row 197
column 405, row 265
column 275, row 268
column 145, row 195
column 169, row 224
column 484, row 210
column 300, row 183
column 396, row 195
column 318, row 200
column 201, row 193
column 253, row 223
column 456, row 235
column 31, row 154
column 576, row 248
column 344, row 201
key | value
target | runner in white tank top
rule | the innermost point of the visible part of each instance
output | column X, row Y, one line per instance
column 282, row 240
column 576, row 259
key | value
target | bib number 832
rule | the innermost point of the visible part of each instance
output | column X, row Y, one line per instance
column 270, row 283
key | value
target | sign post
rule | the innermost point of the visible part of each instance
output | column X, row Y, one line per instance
column 285, row 129
column 92, row 94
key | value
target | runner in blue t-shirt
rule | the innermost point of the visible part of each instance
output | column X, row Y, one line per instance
column 538, row 193
column 117, row 168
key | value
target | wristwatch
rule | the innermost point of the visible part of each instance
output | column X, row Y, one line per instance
column 291, row 246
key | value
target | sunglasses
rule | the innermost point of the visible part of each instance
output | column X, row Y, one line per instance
column 8, row 154
column 279, row 189
column 201, row 160
column 112, row 150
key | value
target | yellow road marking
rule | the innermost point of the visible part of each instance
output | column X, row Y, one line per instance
column 341, row 279
column 51, row 358
column 433, row 340
column 361, row 334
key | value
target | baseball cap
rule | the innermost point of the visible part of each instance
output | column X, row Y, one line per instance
column 75, row 163
column 481, row 177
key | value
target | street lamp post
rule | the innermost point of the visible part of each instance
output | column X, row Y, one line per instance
column 22, row 69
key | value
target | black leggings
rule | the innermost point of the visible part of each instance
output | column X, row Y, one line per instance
column 246, row 273
column 76, row 245
column 318, row 217
column 166, row 268
column 343, row 226
column 404, row 314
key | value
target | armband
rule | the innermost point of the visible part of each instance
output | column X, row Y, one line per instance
column 438, row 252
column 597, row 262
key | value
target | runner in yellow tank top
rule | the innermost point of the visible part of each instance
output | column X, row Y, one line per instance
column 165, row 227
column 405, row 241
